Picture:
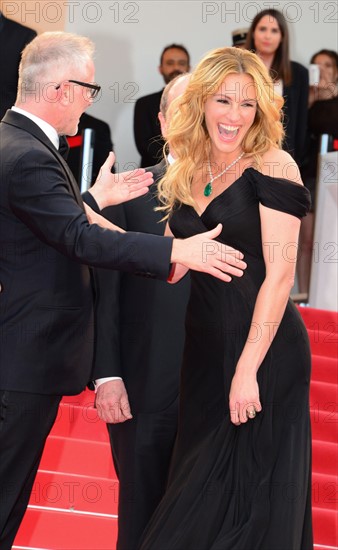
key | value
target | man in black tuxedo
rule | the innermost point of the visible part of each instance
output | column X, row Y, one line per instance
column 13, row 39
column 46, row 248
column 140, row 325
column 174, row 60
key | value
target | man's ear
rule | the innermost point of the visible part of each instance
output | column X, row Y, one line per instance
column 163, row 124
column 66, row 93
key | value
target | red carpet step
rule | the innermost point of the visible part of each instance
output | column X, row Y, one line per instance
column 73, row 492
column 81, row 456
column 324, row 369
column 324, row 423
column 323, row 333
column 61, row 530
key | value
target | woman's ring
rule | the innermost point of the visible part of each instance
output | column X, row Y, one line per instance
column 251, row 414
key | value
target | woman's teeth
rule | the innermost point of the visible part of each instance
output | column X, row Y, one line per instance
column 228, row 131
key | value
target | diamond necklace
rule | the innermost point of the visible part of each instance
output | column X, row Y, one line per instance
column 208, row 188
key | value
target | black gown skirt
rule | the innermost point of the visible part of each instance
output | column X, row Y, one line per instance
column 245, row 487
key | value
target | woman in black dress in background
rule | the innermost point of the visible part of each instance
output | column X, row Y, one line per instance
column 322, row 119
column 268, row 36
column 241, row 471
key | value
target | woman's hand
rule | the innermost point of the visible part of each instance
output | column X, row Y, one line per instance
column 244, row 399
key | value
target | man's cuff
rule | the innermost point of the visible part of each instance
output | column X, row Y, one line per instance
column 100, row 381
column 171, row 272
column 88, row 198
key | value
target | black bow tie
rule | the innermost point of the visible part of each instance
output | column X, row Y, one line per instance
column 63, row 147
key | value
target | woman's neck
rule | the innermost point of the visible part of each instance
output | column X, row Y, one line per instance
column 224, row 159
column 267, row 59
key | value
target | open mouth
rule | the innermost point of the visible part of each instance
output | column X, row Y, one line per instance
column 229, row 132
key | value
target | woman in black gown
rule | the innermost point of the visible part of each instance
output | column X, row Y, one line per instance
column 241, row 471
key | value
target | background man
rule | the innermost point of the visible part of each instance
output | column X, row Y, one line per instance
column 46, row 246
column 174, row 60
column 140, row 338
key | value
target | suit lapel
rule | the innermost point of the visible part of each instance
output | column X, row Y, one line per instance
column 71, row 179
column 158, row 171
column 25, row 123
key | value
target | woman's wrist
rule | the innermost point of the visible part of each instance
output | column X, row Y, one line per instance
column 248, row 368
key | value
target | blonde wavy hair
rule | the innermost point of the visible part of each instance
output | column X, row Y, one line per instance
column 188, row 135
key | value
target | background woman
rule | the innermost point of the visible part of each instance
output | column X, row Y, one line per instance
column 322, row 119
column 240, row 474
column 268, row 36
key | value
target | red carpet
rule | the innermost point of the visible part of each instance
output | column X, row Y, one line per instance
column 323, row 331
column 74, row 502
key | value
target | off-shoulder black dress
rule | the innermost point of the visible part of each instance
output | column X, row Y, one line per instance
column 246, row 487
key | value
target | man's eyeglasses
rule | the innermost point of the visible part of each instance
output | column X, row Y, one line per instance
column 94, row 88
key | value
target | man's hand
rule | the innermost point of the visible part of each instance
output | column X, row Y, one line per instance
column 202, row 253
column 112, row 402
column 110, row 189
column 93, row 217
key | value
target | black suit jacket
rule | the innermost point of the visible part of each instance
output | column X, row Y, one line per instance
column 13, row 38
column 295, row 112
column 46, row 245
column 141, row 322
column 147, row 130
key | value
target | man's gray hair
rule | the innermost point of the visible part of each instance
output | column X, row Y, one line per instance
column 50, row 57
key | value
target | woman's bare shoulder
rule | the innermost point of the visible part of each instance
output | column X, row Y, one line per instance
column 280, row 164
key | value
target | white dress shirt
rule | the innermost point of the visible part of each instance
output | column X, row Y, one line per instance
column 47, row 129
